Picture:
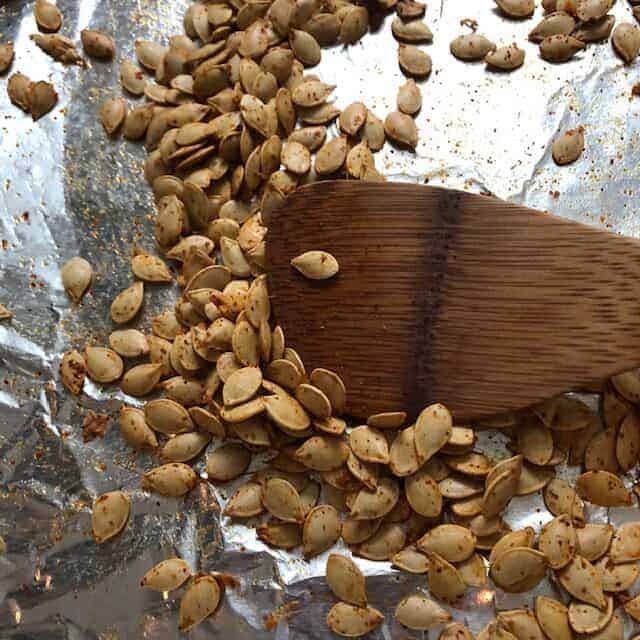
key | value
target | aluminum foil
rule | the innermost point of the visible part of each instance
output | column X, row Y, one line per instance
column 67, row 190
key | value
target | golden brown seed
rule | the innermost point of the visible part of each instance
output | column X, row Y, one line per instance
column 311, row 93
column 227, row 462
column 433, row 429
column 322, row 453
column 73, row 369
column 19, row 91
column 595, row 30
column 560, row 48
column 625, row 546
column 558, row 541
column 588, row 10
column 617, row 577
column 97, row 44
column 557, row 23
column 568, row 147
column 516, row 8
column 166, row 575
column 384, row 543
column 593, row 540
column 282, row 501
column 411, row 30
column 553, row 618
column 369, row 444
column 506, row 58
column 401, row 128
column 76, row 276
column 58, row 47
column 471, row 46
column 316, row 265
column 350, row 621
column 320, row 531
column 423, row 494
column 603, row 488
column 245, row 502
column 560, row 497
column 132, row 78
column 455, row 630
column 150, row 268
column 346, row 580
column 42, row 98
column 414, row 61
column 370, row 505
column 305, row 47
column 135, row 430
column 127, row 303
column 585, row 618
column 141, row 379
column 109, row 515
column 282, row 535
column 6, row 55
column 409, row 98
column 518, row 569
column 450, row 541
column 112, row 114
column 174, row 479
column 419, row 612
column 626, row 41
column 200, row 600
column 48, row 16
column 168, row 417
column 445, row 581
column 103, row 365
column 331, row 156
column 583, row 581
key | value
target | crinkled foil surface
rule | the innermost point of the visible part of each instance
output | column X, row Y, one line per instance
column 67, row 190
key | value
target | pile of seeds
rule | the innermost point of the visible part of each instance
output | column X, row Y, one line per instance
column 233, row 124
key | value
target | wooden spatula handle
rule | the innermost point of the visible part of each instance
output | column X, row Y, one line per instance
column 446, row 296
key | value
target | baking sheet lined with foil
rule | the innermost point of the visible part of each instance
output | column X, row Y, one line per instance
column 66, row 190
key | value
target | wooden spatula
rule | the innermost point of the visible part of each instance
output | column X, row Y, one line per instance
column 452, row 297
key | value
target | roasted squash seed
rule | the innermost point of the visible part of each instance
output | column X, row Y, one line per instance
column 167, row 575
column 109, row 515
column 200, row 600
column 350, row 621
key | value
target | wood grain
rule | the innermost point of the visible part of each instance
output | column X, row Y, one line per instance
column 446, row 296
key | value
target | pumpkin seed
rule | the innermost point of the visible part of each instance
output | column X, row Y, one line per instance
column 323, row 453
column 48, row 16
column 557, row 23
column 132, row 78
column 516, row 8
column 603, row 488
column 617, row 577
column 369, row 505
column 184, row 447
column 19, row 91
column 168, row 417
column 459, row 487
column 150, row 268
column 450, row 541
column 369, row 445
column 384, row 543
column 135, row 430
column 97, row 44
column 112, row 114
column 282, row 535
column 409, row 98
column 632, row 607
column 585, row 618
column 346, row 580
column 592, row 9
column 313, row 400
column 444, row 580
column 499, row 492
column 311, row 93
column 506, row 58
column 351, row 621
column 127, row 303
column 560, row 497
column 568, row 147
column 167, row 575
column 471, row 46
column 433, row 429
column 103, row 365
column 174, row 479
column 553, row 618
column 560, row 48
column 455, row 630
column 333, row 426
column 411, row 30
column 330, row 159
column 628, row 442
column 472, row 464
column 241, row 385
column 521, row 623
column 316, row 265
column 73, row 369
column 403, row 459
column 320, row 531
column 245, row 502
column 595, row 30
column 207, row 421
column 355, row 23
column 626, row 41
column 76, row 277
column 141, row 379
column 109, row 515
column 423, row 494
column 473, row 571
column 558, row 541
column 200, row 600
column 583, row 581
column 357, row 531
column 243, row 412
column 227, row 462
column 366, row 473
column 594, row 540
column 42, row 98
column 6, row 55
column 282, row 501
column 518, row 569
column 625, row 546
column 411, row 560
column 468, row 507
column 420, row 613
column 59, row 47
column 533, row 479
column 413, row 61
